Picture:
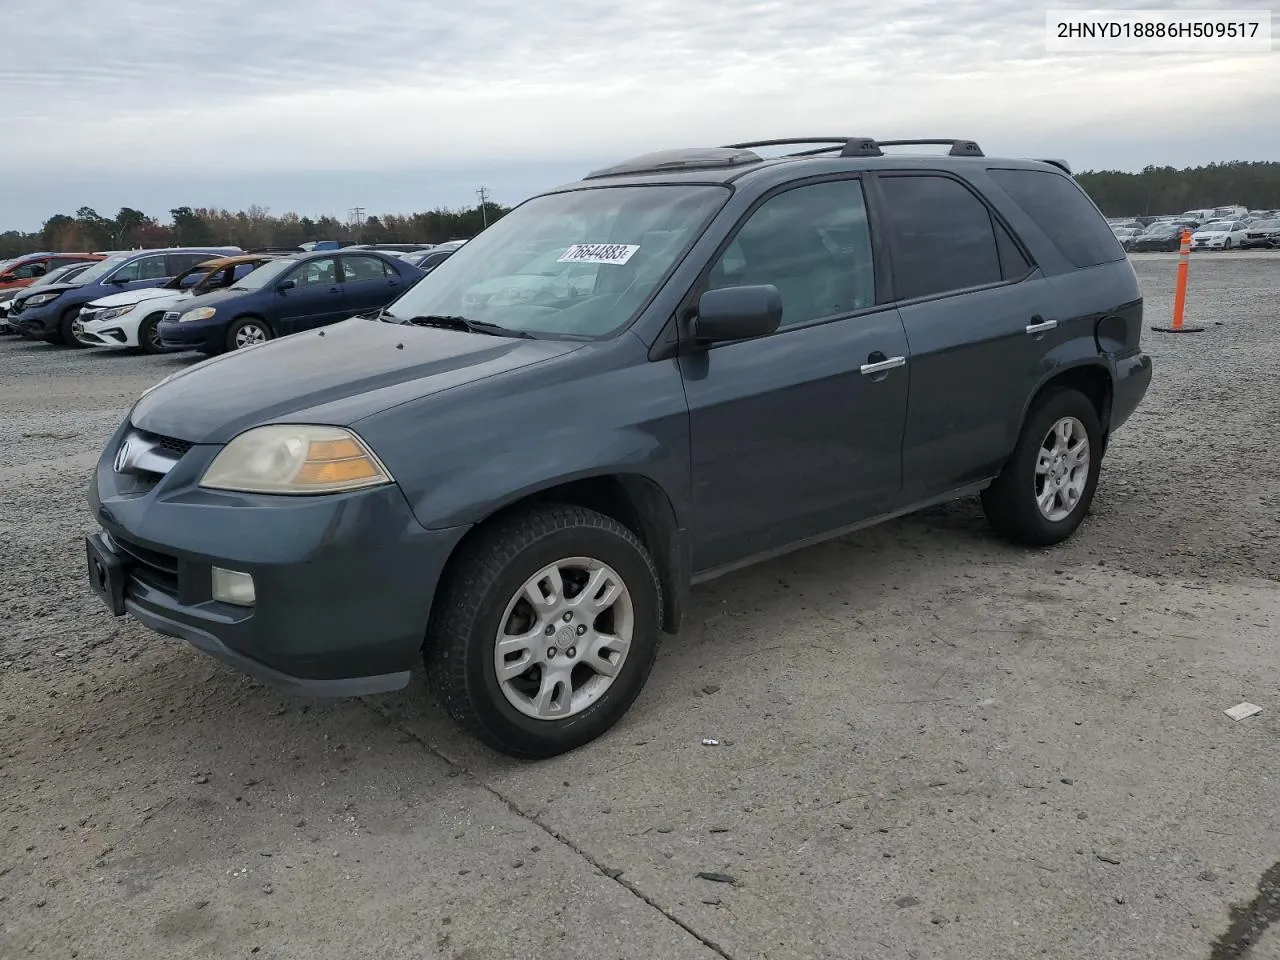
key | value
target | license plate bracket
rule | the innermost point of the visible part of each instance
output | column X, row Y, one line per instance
column 106, row 574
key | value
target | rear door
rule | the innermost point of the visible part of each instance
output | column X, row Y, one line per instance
column 794, row 434
column 974, row 309
column 316, row 298
column 368, row 283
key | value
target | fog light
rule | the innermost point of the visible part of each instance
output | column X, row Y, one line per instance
column 232, row 586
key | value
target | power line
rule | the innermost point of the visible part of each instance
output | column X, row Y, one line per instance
column 356, row 221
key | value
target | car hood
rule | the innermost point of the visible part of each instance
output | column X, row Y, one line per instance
column 24, row 292
column 336, row 376
column 127, row 297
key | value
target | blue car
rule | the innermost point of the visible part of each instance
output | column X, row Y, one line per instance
column 285, row 296
column 47, row 312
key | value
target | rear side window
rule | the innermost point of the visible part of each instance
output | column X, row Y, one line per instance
column 355, row 269
column 1064, row 212
column 943, row 236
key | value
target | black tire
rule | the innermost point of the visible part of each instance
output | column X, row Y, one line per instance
column 233, row 332
column 1010, row 502
column 483, row 579
column 148, row 339
column 63, row 336
column 1226, row 245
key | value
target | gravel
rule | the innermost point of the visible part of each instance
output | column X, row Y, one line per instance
column 1005, row 712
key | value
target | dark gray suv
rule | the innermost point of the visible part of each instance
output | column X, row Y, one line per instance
column 678, row 366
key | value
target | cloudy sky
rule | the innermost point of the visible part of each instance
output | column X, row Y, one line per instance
column 401, row 105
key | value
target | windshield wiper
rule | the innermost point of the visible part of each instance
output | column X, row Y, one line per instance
column 469, row 326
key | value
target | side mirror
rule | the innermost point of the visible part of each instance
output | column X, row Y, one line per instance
column 284, row 285
column 738, row 313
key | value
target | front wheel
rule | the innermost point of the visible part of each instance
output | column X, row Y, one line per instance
column 247, row 332
column 545, row 630
column 1226, row 245
column 65, row 335
column 149, row 334
column 1045, row 489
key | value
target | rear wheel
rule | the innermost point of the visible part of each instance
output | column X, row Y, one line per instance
column 247, row 332
column 149, row 334
column 545, row 630
column 1046, row 488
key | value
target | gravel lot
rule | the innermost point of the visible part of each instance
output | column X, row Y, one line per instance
column 933, row 745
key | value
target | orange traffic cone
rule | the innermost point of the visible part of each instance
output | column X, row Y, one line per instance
column 1180, row 291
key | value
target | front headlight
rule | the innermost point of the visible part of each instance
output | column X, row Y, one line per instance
column 113, row 313
column 199, row 313
column 41, row 298
column 295, row 459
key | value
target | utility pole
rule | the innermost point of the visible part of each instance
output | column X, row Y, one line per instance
column 483, row 194
column 356, row 215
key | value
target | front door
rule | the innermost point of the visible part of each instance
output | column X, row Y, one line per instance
column 369, row 282
column 797, row 433
column 316, row 297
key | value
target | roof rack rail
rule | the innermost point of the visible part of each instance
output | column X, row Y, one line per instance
column 847, row 146
column 959, row 148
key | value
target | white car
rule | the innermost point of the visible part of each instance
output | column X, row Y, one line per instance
column 1220, row 235
column 130, row 320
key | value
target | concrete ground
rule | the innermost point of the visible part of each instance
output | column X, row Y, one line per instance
column 931, row 744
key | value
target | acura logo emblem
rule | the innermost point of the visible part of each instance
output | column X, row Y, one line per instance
column 122, row 457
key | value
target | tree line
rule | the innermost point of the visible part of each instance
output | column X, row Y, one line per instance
column 1153, row 190
column 254, row 227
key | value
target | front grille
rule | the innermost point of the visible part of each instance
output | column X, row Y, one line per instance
column 153, row 568
column 171, row 315
column 171, row 444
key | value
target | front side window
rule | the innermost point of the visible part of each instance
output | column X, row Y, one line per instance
column 28, row 271
column 577, row 264
column 355, row 269
column 315, row 273
column 943, row 236
column 812, row 243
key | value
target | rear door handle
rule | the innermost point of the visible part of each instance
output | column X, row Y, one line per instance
column 1040, row 325
column 881, row 366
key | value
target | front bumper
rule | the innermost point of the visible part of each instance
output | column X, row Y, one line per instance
column 119, row 332
column 1131, row 376
column 38, row 322
column 207, row 335
column 343, row 583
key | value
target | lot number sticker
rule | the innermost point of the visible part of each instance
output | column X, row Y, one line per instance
column 615, row 253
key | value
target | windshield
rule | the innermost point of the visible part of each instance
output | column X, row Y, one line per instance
column 55, row 276
column 578, row 264
column 269, row 271
column 100, row 269
column 1222, row 227
column 1265, row 225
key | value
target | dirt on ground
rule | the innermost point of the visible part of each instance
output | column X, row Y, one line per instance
column 931, row 744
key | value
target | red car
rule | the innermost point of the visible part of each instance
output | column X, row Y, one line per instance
column 22, row 270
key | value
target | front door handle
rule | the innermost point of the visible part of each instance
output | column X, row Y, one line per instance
column 1040, row 325
column 874, row 366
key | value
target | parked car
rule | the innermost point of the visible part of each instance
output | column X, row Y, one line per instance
column 1221, row 235
column 131, row 320
column 63, row 274
column 22, row 271
column 49, row 313
column 1262, row 234
column 430, row 259
column 290, row 294
column 391, row 247
column 1159, row 236
column 534, row 486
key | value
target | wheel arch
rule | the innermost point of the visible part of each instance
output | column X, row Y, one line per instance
column 1090, row 377
column 634, row 500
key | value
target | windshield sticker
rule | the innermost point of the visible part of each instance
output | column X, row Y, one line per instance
column 615, row 253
